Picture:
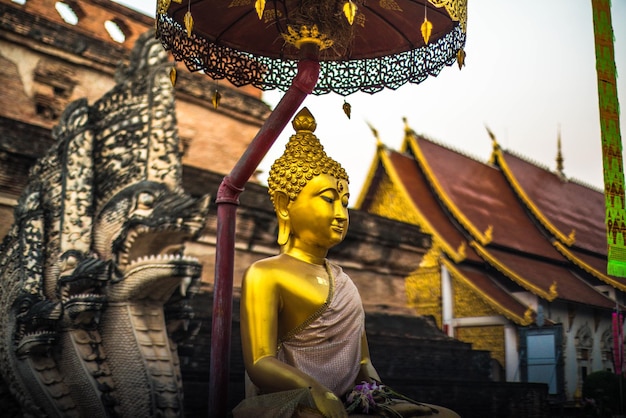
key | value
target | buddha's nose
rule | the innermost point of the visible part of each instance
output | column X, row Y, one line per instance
column 341, row 212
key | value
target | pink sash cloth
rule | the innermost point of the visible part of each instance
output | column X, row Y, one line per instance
column 329, row 348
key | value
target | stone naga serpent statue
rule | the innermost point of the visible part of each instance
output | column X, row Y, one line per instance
column 94, row 280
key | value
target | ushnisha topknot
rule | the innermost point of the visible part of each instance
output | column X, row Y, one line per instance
column 304, row 158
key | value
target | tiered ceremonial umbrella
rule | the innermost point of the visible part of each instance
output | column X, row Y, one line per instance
column 300, row 47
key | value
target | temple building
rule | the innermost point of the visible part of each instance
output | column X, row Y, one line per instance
column 518, row 261
column 55, row 53
column 484, row 280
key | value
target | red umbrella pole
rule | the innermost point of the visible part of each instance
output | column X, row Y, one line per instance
column 227, row 201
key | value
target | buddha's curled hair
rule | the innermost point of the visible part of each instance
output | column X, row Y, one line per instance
column 304, row 158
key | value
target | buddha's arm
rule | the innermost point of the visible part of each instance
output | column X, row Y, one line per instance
column 367, row 372
column 260, row 304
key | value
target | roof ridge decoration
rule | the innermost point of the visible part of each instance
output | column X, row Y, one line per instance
column 547, row 168
column 559, row 157
column 580, row 263
column 537, row 164
column 498, row 159
column 550, row 295
column 483, row 237
column 409, row 132
column 527, row 319
column 457, row 255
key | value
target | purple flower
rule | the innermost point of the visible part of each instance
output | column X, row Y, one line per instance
column 362, row 397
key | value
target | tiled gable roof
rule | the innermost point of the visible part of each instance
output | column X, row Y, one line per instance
column 569, row 206
column 468, row 202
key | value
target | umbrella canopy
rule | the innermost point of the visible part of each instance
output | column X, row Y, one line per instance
column 349, row 45
column 256, row 42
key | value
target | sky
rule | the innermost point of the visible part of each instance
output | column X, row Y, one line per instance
column 529, row 74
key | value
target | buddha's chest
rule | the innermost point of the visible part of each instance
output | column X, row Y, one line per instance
column 302, row 299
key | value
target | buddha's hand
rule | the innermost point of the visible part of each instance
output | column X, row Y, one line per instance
column 328, row 403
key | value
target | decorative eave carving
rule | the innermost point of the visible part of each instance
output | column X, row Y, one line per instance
column 483, row 237
column 527, row 319
column 550, row 295
column 369, row 179
column 580, row 263
column 498, row 158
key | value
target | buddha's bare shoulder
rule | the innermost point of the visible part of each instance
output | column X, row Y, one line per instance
column 265, row 265
column 265, row 269
column 276, row 269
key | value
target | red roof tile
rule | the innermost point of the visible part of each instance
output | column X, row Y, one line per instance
column 417, row 188
column 482, row 194
column 542, row 274
column 567, row 205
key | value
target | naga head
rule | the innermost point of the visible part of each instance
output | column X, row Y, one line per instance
column 142, row 231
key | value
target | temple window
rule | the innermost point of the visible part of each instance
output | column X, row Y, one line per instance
column 541, row 358
column 67, row 12
column 117, row 30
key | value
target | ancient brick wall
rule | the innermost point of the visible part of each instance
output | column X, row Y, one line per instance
column 48, row 63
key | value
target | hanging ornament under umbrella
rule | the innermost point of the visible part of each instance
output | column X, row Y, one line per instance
column 301, row 47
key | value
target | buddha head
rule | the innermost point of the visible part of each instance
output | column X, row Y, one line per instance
column 309, row 190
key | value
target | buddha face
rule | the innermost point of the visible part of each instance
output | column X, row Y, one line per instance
column 318, row 217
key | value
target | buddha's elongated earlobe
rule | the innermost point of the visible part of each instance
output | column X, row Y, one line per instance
column 281, row 204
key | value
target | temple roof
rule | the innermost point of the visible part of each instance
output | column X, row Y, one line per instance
column 479, row 197
column 572, row 213
column 512, row 220
column 405, row 171
column 567, row 205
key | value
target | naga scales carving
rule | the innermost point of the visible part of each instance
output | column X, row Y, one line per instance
column 90, row 307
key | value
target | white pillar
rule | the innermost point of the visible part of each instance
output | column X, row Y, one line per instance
column 511, row 353
column 447, row 302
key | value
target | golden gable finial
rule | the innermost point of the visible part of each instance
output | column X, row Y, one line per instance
column 553, row 290
column 571, row 238
column 379, row 143
column 494, row 144
column 528, row 317
column 488, row 234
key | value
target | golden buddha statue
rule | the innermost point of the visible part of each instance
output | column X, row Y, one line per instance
column 302, row 320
